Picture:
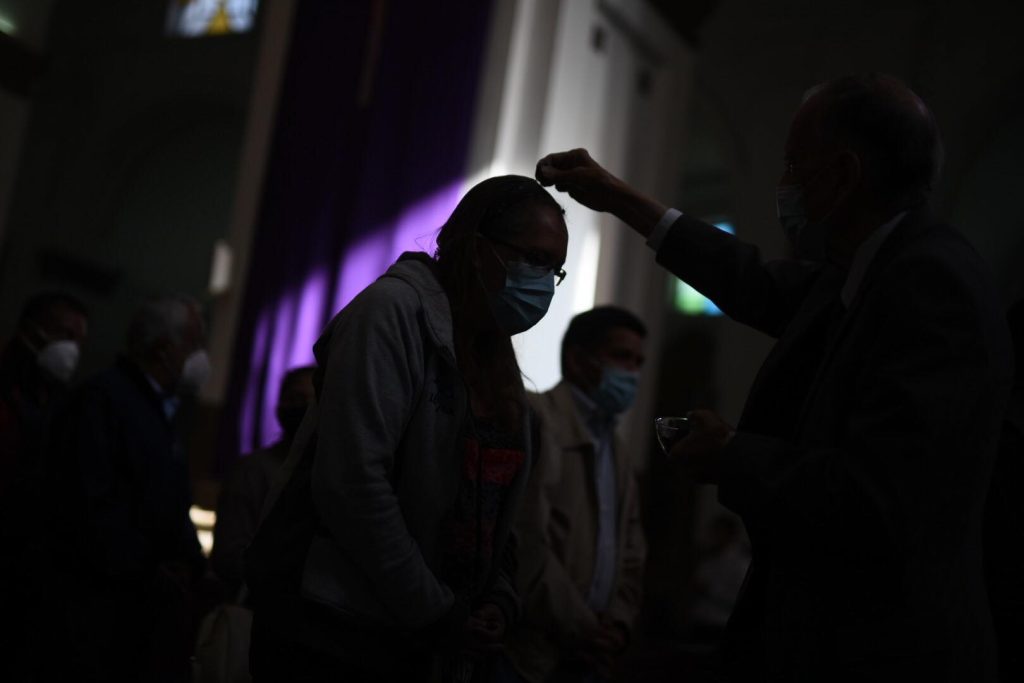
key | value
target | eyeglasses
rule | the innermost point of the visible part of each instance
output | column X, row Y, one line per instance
column 532, row 257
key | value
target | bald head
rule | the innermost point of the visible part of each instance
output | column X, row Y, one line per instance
column 888, row 128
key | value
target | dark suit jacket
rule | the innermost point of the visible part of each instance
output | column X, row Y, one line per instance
column 123, row 481
column 863, row 456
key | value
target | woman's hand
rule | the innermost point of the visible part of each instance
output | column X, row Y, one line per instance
column 485, row 629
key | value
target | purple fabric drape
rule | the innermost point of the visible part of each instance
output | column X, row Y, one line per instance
column 368, row 158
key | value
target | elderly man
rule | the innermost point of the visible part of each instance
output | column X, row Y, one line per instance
column 862, row 459
column 128, row 551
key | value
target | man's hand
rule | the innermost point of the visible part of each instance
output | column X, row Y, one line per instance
column 592, row 186
column 613, row 635
column 595, row 652
column 698, row 454
column 600, row 646
column 582, row 177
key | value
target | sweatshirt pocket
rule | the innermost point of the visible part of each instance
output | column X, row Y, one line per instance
column 331, row 579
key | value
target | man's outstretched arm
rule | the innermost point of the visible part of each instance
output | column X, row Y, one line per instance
column 577, row 174
column 729, row 271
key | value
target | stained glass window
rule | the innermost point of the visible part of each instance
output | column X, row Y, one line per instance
column 688, row 300
column 198, row 18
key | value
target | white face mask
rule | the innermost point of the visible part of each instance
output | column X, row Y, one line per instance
column 59, row 359
column 194, row 372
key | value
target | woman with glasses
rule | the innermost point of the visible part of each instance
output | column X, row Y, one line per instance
column 387, row 554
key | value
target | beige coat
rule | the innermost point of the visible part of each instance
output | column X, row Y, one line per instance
column 557, row 532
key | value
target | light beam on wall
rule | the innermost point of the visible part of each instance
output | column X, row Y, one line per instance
column 289, row 326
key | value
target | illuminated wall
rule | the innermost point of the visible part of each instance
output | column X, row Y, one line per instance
column 607, row 75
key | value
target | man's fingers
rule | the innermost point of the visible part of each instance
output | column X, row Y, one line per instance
column 698, row 417
column 568, row 159
column 550, row 167
column 704, row 420
column 554, row 166
column 549, row 175
column 485, row 639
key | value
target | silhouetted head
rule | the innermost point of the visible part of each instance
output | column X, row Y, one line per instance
column 54, row 326
column 862, row 148
column 295, row 397
column 502, row 226
column 498, row 258
column 602, row 353
column 167, row 339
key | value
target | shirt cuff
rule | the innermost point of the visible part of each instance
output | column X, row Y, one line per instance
column 661, row 229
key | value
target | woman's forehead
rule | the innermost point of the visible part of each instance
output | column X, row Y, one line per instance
column 539, row 222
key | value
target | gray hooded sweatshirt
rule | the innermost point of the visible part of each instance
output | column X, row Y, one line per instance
column 389, row 419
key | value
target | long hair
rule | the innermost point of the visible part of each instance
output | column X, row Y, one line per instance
column 486, row 361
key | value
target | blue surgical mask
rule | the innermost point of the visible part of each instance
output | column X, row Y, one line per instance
column 792, row 212
column 807, row 237
column 617, row 390
column 525, row 298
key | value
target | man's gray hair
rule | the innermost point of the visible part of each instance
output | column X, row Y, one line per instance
column 159, row 320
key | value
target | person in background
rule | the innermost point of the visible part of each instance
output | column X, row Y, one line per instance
column 222, row 649
column 864, row 454
column 126, row 553
column 581, row 542
column 387, row 553
column 245, row 491
column 36, row 368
